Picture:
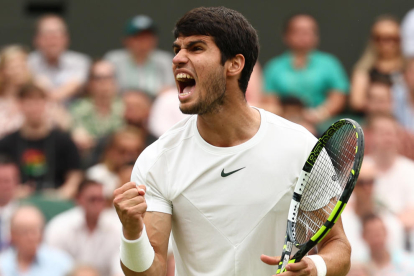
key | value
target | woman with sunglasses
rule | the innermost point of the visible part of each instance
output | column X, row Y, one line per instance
column 382, row 58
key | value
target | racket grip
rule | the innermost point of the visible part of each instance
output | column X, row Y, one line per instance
column 284, row 258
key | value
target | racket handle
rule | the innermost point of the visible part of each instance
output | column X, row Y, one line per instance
column 284, row 259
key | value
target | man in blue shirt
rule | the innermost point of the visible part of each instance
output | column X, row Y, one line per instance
column 28, row 256
column 316, row 78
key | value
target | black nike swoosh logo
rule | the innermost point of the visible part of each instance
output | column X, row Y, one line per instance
column 223, row 174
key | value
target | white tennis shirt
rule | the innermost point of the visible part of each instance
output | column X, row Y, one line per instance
column 228, row 205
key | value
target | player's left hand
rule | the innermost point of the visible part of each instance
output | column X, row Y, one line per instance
column 302, row 268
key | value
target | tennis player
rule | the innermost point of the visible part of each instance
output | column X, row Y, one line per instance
column 221, row 180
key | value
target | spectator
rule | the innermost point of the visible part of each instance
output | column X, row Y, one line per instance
column 101, row 113
column 407, row 33
column 293, row 110
column 164, row 112
column 13, row 74
column 362, row 203
column 9, row 182
column 381, row 58
column 137, row 111
column 316, row 78
column 63, row 72
column 87, row 232
column 379, row 98
column 403, row 96
column 140, row 65
column 384, row 261
column 392, row 170
column 47, row 157
column 84, row 271
column 123, row 147
column 28, row 256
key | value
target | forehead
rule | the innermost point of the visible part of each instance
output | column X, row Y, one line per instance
column 182, row 41
column 303, row 21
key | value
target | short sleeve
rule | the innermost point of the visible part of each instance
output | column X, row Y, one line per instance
column 156, row 182
column 407, row 33
column 338, row 79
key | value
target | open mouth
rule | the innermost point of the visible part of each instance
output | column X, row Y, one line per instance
column 186, row 84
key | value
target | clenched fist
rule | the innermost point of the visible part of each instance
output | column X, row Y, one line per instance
column 130, row 205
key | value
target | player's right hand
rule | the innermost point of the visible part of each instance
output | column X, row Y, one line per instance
column 131, row 206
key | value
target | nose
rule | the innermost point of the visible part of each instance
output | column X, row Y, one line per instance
column 180, row 58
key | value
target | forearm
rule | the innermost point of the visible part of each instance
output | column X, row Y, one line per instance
column 336, row 253
column 67, row 90
column 69, row 188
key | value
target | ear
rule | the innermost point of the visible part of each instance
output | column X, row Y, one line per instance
column 235, row 65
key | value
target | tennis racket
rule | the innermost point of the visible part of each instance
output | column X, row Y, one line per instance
column 323, row 188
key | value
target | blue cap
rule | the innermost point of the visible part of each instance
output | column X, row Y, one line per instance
column 139, row 24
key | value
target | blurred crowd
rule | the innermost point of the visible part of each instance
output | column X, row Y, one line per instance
column 71, row 128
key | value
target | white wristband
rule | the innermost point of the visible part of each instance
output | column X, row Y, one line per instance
column 319, row 264
column 137, row 255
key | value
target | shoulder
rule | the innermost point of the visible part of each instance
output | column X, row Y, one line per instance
column 277, row 61
column 55, row 256
column 61, row 136
column 81, row 106
column 65, row 221
column 116, row 55
column 77, row 56
column 175, row 136
column 326, row 58
column 162, row 55
column 285, row 127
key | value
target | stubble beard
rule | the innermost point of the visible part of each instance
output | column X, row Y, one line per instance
column 213, row 99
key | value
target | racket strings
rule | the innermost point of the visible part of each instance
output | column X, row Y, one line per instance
column 326, row 183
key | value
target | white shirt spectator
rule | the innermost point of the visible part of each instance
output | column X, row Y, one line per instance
column 72, row 66
column 407, row 34
column 165, row 112
column 6, row 213
column 353, row 230
column 151, row 77
column 101, row 174
column 68, row 232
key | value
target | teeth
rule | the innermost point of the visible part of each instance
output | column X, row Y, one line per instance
column 183, row 77
column 184, row 93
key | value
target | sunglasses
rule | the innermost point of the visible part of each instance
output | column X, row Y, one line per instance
column 102, row 77
column 365, row 182
column 386, row 38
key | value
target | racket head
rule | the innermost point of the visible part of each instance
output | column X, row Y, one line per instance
column 323, row 188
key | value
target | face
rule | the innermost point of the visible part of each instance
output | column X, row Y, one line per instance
column 102, row 82
column 136, row 108
column 126, row 149
column 199, row 74
column 365, row 183
column 375, row 234
column 92, row 200
column 52, row 38
column 33, row 109
column 386, row 38
column 15, row 69
column 141, row 44
column 385, row 136
column 302, row 34
column 379, row 99
column 26, row 231
column 9, row 179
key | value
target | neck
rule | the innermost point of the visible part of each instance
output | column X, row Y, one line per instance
column 140, row 58
column 103, row 104
column 380, row 257
column 300, row 58
column 24, row 261
column 384, row 160
column 231, row 125
column 91, row 223
column 35, row 131
column 363, row 207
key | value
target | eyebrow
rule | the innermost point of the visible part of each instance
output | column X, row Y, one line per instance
column 191, row 43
